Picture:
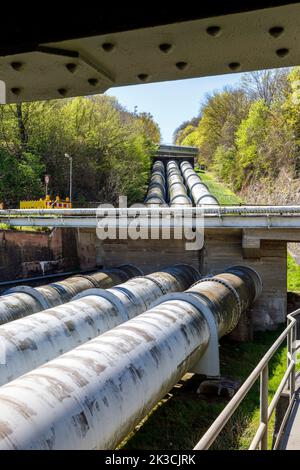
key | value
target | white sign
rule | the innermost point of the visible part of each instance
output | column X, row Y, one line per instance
column 47, row 179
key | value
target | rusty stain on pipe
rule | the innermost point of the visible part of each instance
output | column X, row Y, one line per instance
column 94, row 395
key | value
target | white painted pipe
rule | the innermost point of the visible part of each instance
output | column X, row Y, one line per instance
column 156, row 194
column 176, row 188
column 93, row 396
column 23, row 300
column 38, row 338
column 197, row 189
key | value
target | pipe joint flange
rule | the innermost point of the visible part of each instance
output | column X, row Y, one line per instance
column 89, row 278
column 107, row 295
column 258, row 284
column 35, row 294
column 159, row 285
column 209, row 363
column 130, row 296
column 234, row 292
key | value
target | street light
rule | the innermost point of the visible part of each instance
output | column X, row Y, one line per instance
column 71, row 161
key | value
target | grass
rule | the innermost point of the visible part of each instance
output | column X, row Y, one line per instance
column 24, row 229
column 293, row 274
column 182, row 417
column 224, row 195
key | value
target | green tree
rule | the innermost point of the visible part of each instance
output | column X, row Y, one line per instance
column 111, row 148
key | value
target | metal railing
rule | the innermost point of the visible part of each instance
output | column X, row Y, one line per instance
column 208, row 210
column 261, row 371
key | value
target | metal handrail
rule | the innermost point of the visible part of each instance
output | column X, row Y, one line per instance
column 207, row 210
column 261, row 371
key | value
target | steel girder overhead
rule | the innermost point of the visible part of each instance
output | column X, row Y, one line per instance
column 88, row 50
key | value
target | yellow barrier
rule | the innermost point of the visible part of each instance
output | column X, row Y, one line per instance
column 46, row 204
column 33, row 204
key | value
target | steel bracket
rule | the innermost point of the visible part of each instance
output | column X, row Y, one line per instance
column 105, row 294
column 209, row 363
column 35, row 294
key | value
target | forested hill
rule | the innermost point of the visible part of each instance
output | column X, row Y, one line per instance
column 110, row 147
column 249, row 136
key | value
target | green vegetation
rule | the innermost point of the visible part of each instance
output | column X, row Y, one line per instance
column 111, row 150
column 224, row 195
column 24, row 228
column 293, row 274
column 184, row 416
column 249, row 133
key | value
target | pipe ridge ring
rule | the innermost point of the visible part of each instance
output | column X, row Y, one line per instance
column 181, row 195
column 154, row 197
column 207, row 195
column 127, row 293
column 32, row 292
column 89, row 278
column 192, row 174
column 107, row 295
column 199, row 182
column 163, row 290
column 232, row 289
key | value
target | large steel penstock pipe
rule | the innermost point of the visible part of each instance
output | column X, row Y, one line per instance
column 93, row 396
column 24, row 300
column 156, row 194
column 176, row 188
column 38, row 338
column 197, row 189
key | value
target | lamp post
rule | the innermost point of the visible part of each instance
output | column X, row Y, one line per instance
column 71, row 164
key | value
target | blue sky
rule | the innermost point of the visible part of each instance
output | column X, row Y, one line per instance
column 171, row 103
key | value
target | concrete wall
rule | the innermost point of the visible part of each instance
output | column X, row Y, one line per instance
column 222, row 248
column 148, row 255
column 87, row 249
column 26, row 254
